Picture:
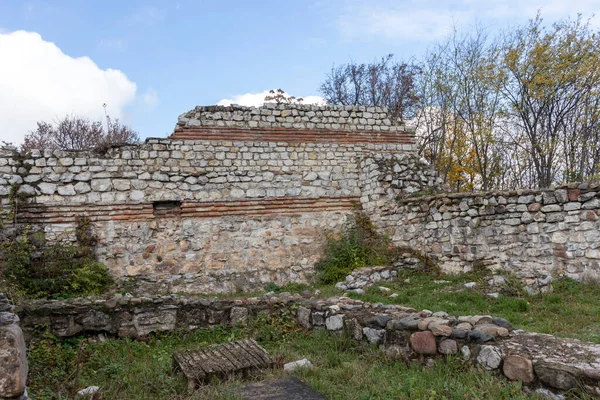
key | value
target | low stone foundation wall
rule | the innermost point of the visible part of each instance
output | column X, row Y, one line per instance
column 404, row 333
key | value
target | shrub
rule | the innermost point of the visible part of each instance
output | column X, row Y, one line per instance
column 57, row 271
column 275, row 325
column 38, row 270
column 357, row 245
column 90, row 278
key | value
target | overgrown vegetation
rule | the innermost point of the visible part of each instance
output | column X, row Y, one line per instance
column 34, row 269
column 357, row 245
column 572, row 309
column 344, row 369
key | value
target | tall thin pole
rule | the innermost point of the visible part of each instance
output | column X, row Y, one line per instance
column 107, row 120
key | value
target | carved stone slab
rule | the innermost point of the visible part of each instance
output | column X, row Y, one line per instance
column 201, row 365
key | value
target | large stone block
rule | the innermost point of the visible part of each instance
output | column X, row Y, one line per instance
column 13, row 362
column 423, row 343
column 518, row 368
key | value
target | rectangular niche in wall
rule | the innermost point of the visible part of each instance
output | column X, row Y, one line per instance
column 168, row 208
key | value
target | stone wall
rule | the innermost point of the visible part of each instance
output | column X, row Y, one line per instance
column 298, row 116
column 221, row 205
column 403, row 333
column 535, row 233
column 227, row 205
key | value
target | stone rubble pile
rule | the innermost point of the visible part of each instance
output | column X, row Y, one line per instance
column 363, row 278
column 491, row 343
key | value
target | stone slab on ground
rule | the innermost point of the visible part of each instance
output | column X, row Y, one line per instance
column 201, row 365
column 290, row 388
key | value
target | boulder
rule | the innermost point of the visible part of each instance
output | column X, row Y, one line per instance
column 303, row 317
column 489, row 357
column 374, row 336
column 556, row 375
column 423, row 343
column 13, row 362
column 518, row 368
column 493, row 330
column 335, row 322
column 440, row 330
column 448, row 346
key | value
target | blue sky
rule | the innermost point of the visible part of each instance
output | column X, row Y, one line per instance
column 153, row 60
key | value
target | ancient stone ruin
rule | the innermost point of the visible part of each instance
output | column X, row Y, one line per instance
column 238, row 197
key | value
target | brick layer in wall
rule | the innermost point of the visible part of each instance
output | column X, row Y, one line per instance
column 35, row 213
column 291, row 135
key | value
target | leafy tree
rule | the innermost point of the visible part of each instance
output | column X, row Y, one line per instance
column 459, row 110
column 517, row 109
column 550, row 77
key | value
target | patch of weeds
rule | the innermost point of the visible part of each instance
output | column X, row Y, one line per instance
column 272, row 287
column 357, row 245
column 479, row 268
column 344, row 369
column 37, row 270
column 53, row 362
column 512, row 285
column 275, row 325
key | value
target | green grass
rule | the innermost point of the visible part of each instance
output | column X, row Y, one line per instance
column 571, row 310
column 344, row 369
column 128, row 369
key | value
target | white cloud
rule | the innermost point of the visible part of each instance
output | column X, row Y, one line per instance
column 39, row 82
column 257, row 99
column 150, row 98
column 433, row 19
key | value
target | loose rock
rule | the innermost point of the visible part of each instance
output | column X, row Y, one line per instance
column 335, row 322
column 489, row 357
column 557, row 375
column 518, row 368
column 295, row 365
column 13, row 362
column 448, row 346
column 423, row 343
